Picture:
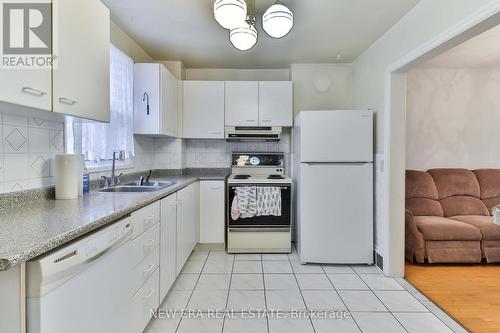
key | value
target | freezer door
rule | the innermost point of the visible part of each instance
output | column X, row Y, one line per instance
column 336, row 136
column 335, row 213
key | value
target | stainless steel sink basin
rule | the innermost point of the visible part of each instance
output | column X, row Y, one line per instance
column 150, row 184
column 134, row 188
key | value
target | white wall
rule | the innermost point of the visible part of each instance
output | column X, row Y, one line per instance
column 321, row 86
column 176, row 68
column 125, row 43
column 453, row 118
column 222, row 74
column 425, row 21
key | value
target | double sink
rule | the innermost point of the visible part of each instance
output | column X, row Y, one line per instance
column 135, row 187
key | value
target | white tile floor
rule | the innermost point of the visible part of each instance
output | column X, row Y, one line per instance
column 274, row 293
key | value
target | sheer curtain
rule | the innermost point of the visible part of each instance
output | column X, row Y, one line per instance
column 96, row 141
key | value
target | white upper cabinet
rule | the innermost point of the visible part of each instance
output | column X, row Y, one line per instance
column 242, row 103
column 171, row 91
column 78, row 85
column 81, row 76
column 156, row 101
column 32, row 88
column 146, row 99
column 275, row 103
column 203, row 110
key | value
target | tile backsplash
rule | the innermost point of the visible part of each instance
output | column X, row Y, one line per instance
column 29, row 145
column 27, row 151
column 217, row 153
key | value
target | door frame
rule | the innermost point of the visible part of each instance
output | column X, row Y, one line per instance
column 395, row 125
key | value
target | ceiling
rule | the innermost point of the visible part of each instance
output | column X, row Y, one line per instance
column 325, row 31
column 482, row 51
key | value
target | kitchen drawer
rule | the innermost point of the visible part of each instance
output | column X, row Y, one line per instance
column 141, row 273
column 145, row 218
column 144, row 245
column 147, row 299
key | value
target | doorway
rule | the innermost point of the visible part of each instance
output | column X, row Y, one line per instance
column 442, row 108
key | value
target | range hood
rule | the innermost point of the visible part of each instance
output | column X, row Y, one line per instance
column 239, row 133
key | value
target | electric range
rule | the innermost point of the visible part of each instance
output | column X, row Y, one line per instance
column 265, row 227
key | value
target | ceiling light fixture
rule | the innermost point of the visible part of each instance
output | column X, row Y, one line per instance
column 277, row 21
column 238, row 16
column 243, row 37
column 230, row 13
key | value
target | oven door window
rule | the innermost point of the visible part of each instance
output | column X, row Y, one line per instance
column 262, row 221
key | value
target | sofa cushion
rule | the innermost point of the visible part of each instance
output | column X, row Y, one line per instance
column 489, row 230
column 459, row 192
column 424, row 206
column 419, row 184
column 463, row 205
column 452, row 182
column 489, row 182
column 443, row 229
column 421, row 194
column 490, row 203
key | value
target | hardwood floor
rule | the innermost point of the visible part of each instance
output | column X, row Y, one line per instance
column 468, row 293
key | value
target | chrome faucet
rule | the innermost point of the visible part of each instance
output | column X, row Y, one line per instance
column 113, row 180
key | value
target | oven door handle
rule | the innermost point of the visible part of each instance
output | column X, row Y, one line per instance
column 259, row 229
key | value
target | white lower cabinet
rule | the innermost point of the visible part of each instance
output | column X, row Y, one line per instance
column 143, row 302
column 144, row 261
column 168, row 226
column 163, row 236
column 212, row 211
column 187, row 223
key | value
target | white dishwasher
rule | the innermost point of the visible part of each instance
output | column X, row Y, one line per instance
column 82, row 287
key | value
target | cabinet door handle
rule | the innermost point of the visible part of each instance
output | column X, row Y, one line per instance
column 266, row 120
column 217, row 133
column 32, row 91
column 67, row 101
column 250, row 120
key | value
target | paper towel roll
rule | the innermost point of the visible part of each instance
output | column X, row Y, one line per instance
column 69, row 173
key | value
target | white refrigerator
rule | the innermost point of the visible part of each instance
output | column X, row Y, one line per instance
column 333, row 170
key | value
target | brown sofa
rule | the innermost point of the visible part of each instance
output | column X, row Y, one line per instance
column 448, row 216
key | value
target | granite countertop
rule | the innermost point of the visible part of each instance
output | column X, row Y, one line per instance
column 32, row 229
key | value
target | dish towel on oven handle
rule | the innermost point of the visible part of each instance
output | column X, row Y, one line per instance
column 247, row 201
column 269, row 201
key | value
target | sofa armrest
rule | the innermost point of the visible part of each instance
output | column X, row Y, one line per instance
column 410, row 226
column 414, row 240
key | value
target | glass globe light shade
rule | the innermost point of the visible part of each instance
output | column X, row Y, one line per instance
column 230, row 13
column 277, row 21
column 243, row 37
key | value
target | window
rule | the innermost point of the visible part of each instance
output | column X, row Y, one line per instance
column 97, row 141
